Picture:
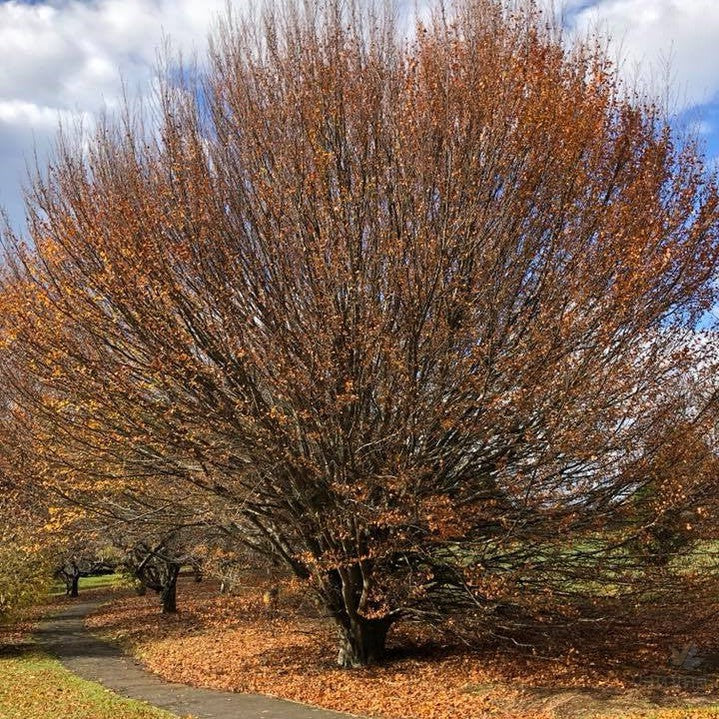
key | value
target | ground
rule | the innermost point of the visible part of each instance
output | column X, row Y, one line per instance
column 34, row 685
column 236, row 643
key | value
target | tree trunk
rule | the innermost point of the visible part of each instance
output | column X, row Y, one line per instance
column 168, row 595
column 362, row 641
column 74, row 585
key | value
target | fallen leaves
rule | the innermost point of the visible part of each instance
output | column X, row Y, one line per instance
column 233, row 643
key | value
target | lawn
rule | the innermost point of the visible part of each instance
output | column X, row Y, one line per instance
column 33, row 685
column 101, row 581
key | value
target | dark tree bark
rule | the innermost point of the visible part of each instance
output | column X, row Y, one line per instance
column 157, row 572
column 74, row 585
column 362, row 641
column 168, row 593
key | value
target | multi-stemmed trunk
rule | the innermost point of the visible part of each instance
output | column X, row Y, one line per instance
column 362, row 641
column 71, row 577
column 159, row 574
column 344, row 593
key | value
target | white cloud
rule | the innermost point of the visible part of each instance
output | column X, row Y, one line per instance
column 649, row 34
column 59, row 57
column 69, row 57
column 28, row 114
column 701, row 128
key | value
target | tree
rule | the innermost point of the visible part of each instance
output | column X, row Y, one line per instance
column 25, row 564
column 76, row 563
column 410, row 316
column 156, row 563
column 78, row 547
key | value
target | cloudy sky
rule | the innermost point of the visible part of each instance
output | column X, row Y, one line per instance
column 63, row 58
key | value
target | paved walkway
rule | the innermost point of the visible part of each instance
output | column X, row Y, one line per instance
column 91, row 658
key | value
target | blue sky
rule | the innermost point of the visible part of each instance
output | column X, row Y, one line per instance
column 670, row 47
column 63, row 59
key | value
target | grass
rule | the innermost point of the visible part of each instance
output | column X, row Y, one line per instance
column 102, row 581
column 35, row 686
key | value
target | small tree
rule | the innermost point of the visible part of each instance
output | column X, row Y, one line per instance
column 76, row 558
column 156, row 564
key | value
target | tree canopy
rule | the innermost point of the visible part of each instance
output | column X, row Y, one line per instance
column 417, row 316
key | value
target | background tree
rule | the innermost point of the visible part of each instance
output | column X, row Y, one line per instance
column 77, row 559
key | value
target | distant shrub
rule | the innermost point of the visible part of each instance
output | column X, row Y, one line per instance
column 25, row 577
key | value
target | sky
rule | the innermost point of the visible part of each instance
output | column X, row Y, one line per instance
column 66, row 59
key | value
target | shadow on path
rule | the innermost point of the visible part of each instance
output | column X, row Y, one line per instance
column 65, row 636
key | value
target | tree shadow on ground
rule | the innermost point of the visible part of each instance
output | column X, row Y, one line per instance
column 16, row 650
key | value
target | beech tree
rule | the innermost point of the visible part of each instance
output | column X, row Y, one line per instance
column 411, row 315
column 77, row 560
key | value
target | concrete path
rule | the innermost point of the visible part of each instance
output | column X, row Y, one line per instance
column 65, row 636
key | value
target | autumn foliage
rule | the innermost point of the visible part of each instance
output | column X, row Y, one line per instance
column 416, row 317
